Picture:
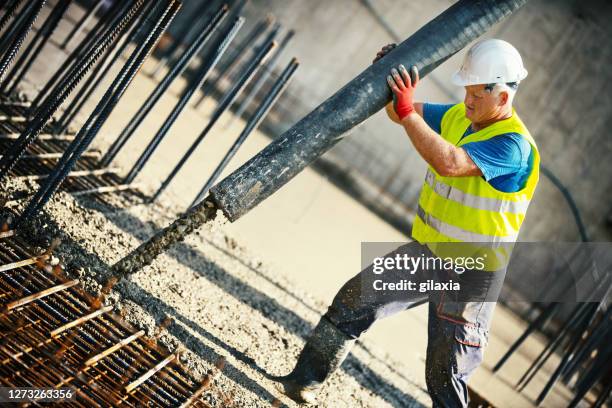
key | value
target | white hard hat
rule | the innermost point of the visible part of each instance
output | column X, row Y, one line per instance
column 490, row 61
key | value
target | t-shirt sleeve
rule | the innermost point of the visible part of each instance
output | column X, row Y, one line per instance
column 500, row 155
column 432, row 114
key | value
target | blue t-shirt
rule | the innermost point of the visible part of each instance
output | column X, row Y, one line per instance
column 505, row 160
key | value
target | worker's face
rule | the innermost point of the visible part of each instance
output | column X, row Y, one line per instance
column 482, row 105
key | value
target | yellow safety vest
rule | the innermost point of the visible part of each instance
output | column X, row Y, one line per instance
column 468, row 209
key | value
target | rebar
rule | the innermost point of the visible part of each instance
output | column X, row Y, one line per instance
column 86, row 45
column 10, row 10
column 80, row 320
column 103, row 68
column 237, row 66
column 162, row 87
column 546, row 314
column 54, row 100
column 189, row 27
column 39, row 295
column 15, row 45
column 80, row 25
column 260, row 81
column 99, row 115
column 14, row 27
column 219, row 48
column 261, row 112
column 34, row 354
column 30, row 54
column 233, row 58
column 224, row 103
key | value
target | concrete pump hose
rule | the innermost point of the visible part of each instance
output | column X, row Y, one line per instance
column 322, row 128
column 365, row 95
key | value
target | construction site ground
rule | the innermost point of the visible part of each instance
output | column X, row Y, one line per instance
column 252, row 290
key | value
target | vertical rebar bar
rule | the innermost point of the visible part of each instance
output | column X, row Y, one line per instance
column 261, row 112
column 163, row 86
column 259, row 82
column 191, row 26
column 238, row 65
column 220, row 46
column 14, row 26
column 64, row 88
column 232, row 58
column 90, row 129
column 98, row 75
column 224, row 103
column 10, row 10
column 79, row 52
column 80, row 25
column 33, row 49
column 11, row 52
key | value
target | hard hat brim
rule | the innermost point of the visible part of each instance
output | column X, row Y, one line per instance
column 458, row 79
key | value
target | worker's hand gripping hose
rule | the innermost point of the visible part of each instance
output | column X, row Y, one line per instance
column 322, row 128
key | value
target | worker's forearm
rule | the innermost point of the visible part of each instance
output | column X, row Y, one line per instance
column 446, row 158
column 431, row 146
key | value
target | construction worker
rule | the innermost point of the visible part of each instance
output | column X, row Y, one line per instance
column 483, row 171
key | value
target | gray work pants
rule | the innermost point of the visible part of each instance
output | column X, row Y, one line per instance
column 457, row 329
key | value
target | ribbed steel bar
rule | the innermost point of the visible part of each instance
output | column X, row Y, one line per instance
column 15, row 45
column 80, row 25
column 261, row 112
column 29, row 55
column 260, row 81
column 189, row 29
column 29, row 356
column 97, row 76
column 11, row 8
column 15, row 25
column 233, row 57
column 79, row 52
column 51, row 104
column 110, row 99
column 219, row 48
column 287, row 155
column 177, row 70
column 224, row 103
column 236, row 68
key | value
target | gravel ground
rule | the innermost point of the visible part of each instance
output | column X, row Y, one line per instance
column 223, row 301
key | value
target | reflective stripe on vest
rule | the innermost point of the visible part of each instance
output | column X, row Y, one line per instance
column 463, row 216
column 481, row 203
column 457, row 233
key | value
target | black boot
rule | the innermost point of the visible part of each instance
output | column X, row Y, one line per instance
column 323, row 353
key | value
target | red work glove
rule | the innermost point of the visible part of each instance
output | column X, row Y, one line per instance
column 403, row 87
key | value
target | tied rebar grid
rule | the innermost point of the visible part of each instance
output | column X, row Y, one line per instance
column 53, row 334
column 87, row 178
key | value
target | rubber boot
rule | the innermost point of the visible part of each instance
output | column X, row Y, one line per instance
column 323, row 353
